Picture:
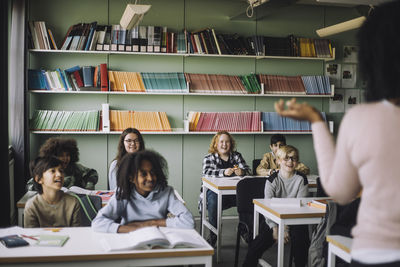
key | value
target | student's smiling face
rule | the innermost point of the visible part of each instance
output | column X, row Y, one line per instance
column 289, row 162
column 146, row 180
column 131, row 143
column 224, row 145
column 52, row 178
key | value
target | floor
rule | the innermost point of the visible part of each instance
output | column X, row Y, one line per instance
column 227, row 257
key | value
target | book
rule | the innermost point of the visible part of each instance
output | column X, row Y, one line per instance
column 150, row 237
column 104, row 194
column 52, row 240
column 103, row 77
column 320, row 204
column 87, row 73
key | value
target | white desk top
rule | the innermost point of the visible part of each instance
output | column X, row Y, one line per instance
column 343, row 242
column 83, row 245
column 229, row 183
column 287, row 212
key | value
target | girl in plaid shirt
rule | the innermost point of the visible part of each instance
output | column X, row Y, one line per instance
column 222, row 161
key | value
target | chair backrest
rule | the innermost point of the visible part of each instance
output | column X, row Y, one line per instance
column 246, row 190
column 90, row 205
column 256, row 162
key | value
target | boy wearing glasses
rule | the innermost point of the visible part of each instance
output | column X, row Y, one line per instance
column 285, row 183
column 268, row 165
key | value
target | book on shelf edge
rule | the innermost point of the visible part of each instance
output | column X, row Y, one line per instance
column 151, row 237
column 103, row 77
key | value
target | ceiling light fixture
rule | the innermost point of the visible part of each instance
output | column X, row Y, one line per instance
column 133, row 15
column 341, row 27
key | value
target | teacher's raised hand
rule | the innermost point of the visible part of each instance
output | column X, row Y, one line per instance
column 298, row 111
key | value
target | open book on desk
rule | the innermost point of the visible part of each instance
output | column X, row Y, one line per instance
column 104, row 194
column 151, row 237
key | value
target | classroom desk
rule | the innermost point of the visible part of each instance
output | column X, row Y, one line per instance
column 338, row 246
column 83, row 249
column 283, row 215
column 227, row 186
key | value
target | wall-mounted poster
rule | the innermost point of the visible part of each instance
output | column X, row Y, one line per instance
column 350, row 54
column 349, row 75
column 336, row 103
column 333, row 71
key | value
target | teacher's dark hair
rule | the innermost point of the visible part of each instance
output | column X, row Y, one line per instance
column 379, row 53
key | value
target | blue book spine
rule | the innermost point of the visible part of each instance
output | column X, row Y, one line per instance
column 45, row 80
column 73, row 69
column 62, row 79
column 90, row 37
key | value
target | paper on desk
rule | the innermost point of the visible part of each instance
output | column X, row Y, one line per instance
column 286, row 202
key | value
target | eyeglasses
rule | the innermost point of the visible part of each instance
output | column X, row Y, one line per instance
column 130, row 141
column 294, row 159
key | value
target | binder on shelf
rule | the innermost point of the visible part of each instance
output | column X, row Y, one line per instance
column 103, row 77
column 142, row 38
column 107, row 39
column 106, row 117
column 87, row 73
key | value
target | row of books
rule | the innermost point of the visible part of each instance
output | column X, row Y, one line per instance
column 77, row 78
column 273, row 122
column 71, row 79
column 141, row 120
column 54, row 120
column 91, row 36
column 248, row 121
column 307, row 85
column 147, row 82
column 40, row 37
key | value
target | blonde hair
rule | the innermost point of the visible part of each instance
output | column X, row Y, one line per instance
column 285, row 150
column 213, row 145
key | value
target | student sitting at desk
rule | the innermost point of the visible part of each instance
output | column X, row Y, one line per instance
column 51, row 207
column 285, row 183
column 222, row 161
column 130, row 141
column 143, row 197
column 268, row 164
column 67, row 151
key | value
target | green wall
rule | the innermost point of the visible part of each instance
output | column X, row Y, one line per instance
column 184, row 153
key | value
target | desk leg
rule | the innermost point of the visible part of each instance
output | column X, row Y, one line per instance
column 203, row 212
column 255, row 223
column 219, row 223
column 281, row 242
column 331, row 257
column 21, row 217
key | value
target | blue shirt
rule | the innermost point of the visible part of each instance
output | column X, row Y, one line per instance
column 139, row 208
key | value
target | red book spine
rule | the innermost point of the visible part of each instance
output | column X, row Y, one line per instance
column 103, row 77
column 78, row 78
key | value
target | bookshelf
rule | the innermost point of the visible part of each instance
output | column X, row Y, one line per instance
column 181, row 55
column 184, row 151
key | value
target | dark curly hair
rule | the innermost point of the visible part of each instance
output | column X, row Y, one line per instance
column 39, row 166
column 121, row 148
column 56, row 146
column 130, row 166
column 379, row 52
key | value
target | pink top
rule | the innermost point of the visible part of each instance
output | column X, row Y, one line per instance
column 367, row 157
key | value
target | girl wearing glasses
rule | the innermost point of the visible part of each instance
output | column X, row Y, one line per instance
column 130, row 141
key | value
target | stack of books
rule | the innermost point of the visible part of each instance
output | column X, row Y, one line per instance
column 141, row 120
column 55, row 120
column 248, row 121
